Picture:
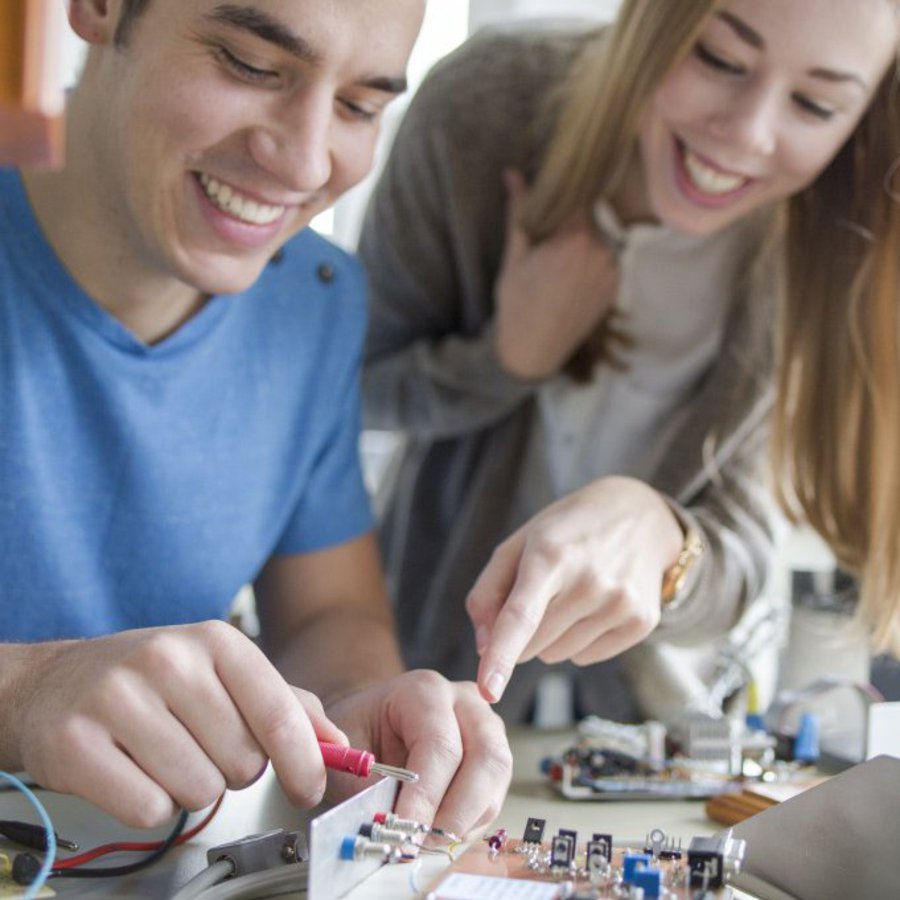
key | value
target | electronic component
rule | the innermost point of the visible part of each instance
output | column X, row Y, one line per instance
column 699, row 757
column 561, row 870
column 598, row 855
column 358, row 847
column 562, row 851
column 713, row 861
column 534, row 831
column 649, row 881
column 497, row 841
column 329, row 875
column 568, row 832
column 660, row 846
column 412, row 827
column 258, row 852
column 383, row 835
column 631, row 862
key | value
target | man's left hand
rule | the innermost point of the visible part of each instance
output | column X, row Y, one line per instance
column 446, row 733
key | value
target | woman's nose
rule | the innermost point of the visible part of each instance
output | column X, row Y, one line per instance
column 750, row 122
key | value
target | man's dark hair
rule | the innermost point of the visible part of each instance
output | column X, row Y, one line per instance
column 131, row 9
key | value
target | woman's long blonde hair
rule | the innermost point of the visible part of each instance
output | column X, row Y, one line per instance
column 603, row 101
column 594, row 120
column 836, row 438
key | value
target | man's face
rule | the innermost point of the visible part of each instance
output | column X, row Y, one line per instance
column 227, row 126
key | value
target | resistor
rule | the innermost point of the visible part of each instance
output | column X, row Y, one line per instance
column 497, row 841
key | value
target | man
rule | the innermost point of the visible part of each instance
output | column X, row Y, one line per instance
column 178, row 369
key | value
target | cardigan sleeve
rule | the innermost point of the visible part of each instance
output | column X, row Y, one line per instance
column 433, row 238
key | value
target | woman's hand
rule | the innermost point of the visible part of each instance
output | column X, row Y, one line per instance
column 552, row 295
column 580, row 581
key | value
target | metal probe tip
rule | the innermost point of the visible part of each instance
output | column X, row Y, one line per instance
column 394, row 772
column 442, row 832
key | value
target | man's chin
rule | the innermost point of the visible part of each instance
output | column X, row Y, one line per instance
column 228, row 278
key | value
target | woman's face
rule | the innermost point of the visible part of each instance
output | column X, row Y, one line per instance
column 764, row 100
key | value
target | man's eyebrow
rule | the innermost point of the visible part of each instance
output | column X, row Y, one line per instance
column 264, row 27
column 746, row 33
column 269, row 29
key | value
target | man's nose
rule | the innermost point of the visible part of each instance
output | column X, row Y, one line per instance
column 297, row 147
column 750, row 121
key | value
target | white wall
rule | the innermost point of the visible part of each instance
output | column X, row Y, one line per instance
column 481, row 12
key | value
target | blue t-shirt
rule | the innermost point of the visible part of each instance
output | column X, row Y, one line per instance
column 144, row 485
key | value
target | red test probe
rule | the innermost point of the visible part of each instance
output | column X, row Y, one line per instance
column 360, row 763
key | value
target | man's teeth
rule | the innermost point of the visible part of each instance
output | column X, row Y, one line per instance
column 228, row 200
column 708, row 180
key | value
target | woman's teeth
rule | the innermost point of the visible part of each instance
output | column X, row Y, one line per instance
column 242, row 208
column 710, row 181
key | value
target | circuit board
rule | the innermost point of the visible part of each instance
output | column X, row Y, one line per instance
column 525, row 871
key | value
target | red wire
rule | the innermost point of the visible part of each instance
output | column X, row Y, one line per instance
column 72, row 862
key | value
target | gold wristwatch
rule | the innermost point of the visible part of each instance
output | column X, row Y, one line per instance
column 675, row 577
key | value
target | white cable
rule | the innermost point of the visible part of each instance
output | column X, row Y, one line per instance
column 205, row 879
column 288, row 879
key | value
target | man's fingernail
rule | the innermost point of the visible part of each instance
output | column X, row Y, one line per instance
column 481, row 638
column 495, row 684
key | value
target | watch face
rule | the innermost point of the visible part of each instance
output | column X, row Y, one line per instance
column 676, row 575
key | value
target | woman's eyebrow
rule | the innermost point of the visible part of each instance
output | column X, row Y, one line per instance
column 838, row 77
column 742, row 29
column 755, row 39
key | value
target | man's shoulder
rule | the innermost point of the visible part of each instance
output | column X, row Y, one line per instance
column 312, row 280
column 311, row 258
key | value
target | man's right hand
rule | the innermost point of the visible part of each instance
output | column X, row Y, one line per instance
column 143, row 723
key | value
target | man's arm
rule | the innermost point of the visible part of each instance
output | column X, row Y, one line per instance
column 327, row 623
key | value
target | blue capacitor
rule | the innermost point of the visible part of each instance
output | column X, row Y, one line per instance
column 649, row 880
column 632, row 862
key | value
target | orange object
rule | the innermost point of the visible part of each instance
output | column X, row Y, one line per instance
column 729, row 809
column 32, row 99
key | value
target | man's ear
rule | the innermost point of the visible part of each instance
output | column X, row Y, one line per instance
column 94, row 21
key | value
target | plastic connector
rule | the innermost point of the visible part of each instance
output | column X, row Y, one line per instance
column 259, row 852
column 806, row 743
column 25, row 868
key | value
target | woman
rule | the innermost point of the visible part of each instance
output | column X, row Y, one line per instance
column 571, row 294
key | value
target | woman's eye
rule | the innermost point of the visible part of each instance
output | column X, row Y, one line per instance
column 714, row 61
column 242, row 69
column 815, row 109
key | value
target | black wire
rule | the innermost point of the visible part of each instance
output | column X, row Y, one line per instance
column 114, row 871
